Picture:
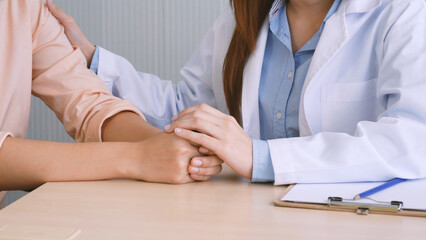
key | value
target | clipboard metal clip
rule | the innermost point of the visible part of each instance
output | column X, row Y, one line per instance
column 364, row 208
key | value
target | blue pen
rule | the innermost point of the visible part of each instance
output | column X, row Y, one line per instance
column 379, row 188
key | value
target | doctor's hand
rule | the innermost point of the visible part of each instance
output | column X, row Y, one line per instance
column 216, row 133
column 73, row 31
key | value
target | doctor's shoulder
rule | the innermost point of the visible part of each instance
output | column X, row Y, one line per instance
column 397, row 19
column 225, row 24
column 396, row 12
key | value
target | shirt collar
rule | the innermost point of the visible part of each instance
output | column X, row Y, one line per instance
column 279, row 24
column 278, row 4
column 274, row 9
column 332, row 10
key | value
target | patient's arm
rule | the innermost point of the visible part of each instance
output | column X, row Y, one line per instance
column 113, row 129
column 86, row 108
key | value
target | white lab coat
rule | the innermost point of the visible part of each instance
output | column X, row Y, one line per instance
column 362, row 112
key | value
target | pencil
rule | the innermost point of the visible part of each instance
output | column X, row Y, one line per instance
column 379, row 188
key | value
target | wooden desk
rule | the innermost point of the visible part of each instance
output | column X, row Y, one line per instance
column 227, row 207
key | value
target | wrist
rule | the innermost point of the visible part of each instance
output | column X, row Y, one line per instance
column 248, row 169
column 136, row 129
column 128, row 160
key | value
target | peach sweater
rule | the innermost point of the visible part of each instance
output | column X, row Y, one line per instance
column 37, row 58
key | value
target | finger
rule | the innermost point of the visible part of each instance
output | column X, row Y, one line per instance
column 206, row 161
column 200, row 178
column 198, row 138
column 194, row 144
column 184, row 112
column 200, row 126
column 203, row 108
column 58, row 13
column 211, row 171
column 198, row 117
column 198, row 114
column 205, row 151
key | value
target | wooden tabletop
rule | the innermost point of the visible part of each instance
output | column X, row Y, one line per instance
column 227, row 207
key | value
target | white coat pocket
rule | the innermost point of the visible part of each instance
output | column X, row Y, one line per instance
column 349, row 103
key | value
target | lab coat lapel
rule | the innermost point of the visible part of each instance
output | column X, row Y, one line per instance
column 361, row 6
column 251, row 81
column 333, row 38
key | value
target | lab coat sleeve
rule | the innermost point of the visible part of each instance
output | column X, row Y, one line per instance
column 159, row 100
column 394, row 145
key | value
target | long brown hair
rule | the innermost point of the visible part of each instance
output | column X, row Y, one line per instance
column 249, row 16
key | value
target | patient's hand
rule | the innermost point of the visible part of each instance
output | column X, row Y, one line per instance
column 73, row 31
column 166, row 158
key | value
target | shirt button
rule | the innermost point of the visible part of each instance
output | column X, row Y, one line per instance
column 279, row 116
column 290, row 75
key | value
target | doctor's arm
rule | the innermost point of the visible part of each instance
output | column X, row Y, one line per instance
column 159, row 100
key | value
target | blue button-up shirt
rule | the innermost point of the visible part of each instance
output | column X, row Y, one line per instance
column 281, row 86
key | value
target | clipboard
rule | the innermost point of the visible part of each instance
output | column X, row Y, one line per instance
column 387, row 203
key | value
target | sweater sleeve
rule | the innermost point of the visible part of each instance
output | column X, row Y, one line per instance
column 61, row 79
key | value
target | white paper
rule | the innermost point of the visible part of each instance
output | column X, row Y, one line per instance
column 411, row 192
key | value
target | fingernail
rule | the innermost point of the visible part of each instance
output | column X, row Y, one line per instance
column 167, row 127
column 194, row 169
column 197, row 162
column 204, row 150
column 174, row 117
column 178, row 130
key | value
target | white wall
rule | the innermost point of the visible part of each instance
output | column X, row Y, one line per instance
column 157, row 36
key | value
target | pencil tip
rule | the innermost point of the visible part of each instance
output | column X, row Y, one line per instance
column 356, row 197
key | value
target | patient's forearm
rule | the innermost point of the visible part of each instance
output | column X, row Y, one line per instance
column 26, row 164
column 127, row 127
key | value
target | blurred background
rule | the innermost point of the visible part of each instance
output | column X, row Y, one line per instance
column 157, row 36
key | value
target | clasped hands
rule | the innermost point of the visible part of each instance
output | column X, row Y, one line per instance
column 194, row 147
column 218, row 136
